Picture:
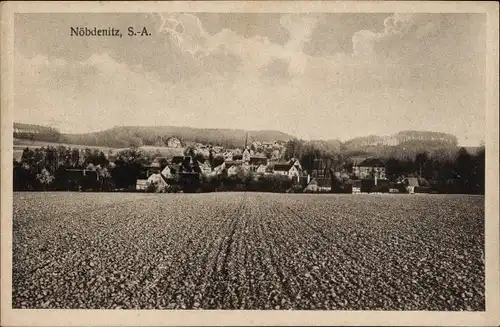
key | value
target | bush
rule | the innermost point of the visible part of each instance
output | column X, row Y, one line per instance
column 423, row 189
column 45, row 179
column 368, row 185
column 297, row 188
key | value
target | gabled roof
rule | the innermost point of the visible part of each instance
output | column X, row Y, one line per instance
column 371, row 162
column 357, row 160
column 283, row 166
column 229, row 164
column 412, row 181
column 258, row 160
column 196, row 168
column 204, row 164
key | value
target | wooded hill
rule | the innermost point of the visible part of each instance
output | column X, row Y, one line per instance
column 402, row 144
column 130, row 136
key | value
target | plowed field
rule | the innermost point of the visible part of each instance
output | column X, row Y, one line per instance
column 248, row 251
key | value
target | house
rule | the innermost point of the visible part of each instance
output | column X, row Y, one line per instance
column 319, row 184
column 256, row 144
column 410, row 184
column 205, row 168
column 369, row 168
column 219, row 169
column 141, row 184
column 173, row 142
column 168, row 172
column 157, row 181
column 296, row 163
column 153, row 168
column 246, row 155
column 177, row 160
column 286, row 169
column 355, row 185
column 233, row 167
column 261, row 169
column 217, row 149
column 256, row 161
column 228, row 156
column 375, row 185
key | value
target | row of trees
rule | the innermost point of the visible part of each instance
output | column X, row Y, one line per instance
column 440, row 166
column 46, row 168
column 61, row 168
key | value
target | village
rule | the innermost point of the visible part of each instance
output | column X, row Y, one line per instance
column 174, row 164
column 211, row 161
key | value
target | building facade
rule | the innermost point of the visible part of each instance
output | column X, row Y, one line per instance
column 369, row 168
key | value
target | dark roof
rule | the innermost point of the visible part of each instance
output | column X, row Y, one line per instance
column 229, row 164
column 283, row 167
column 357, row 160
column 174, row 168
column 371, row 162
column 177, row 159
column 196, row 168
column 258, row 160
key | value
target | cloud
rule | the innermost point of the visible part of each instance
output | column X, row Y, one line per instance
column 397, row 72
column 254, row 53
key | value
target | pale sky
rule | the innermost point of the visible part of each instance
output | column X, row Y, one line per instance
column 315, row 76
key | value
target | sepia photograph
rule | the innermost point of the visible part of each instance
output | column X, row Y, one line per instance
column 287, row 160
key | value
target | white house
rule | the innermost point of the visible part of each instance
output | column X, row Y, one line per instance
column 205, row 167
column 173, row 142
column 286, row 169
column 217, row 149
column 234, row 168
column 296, row 163
column 410, row 184
column 261, row 169
column 158, row 181
column 246, row 155
column 167, row 172
column 228, row 156
column 370, row 167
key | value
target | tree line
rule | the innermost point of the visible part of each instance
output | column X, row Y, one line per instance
column 439, row 166
column 47, row 168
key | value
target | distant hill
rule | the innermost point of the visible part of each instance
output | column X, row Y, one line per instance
column 125, row 136
column 404, row 143
column 425, row 139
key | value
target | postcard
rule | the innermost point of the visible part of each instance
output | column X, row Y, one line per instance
column 249, row 163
